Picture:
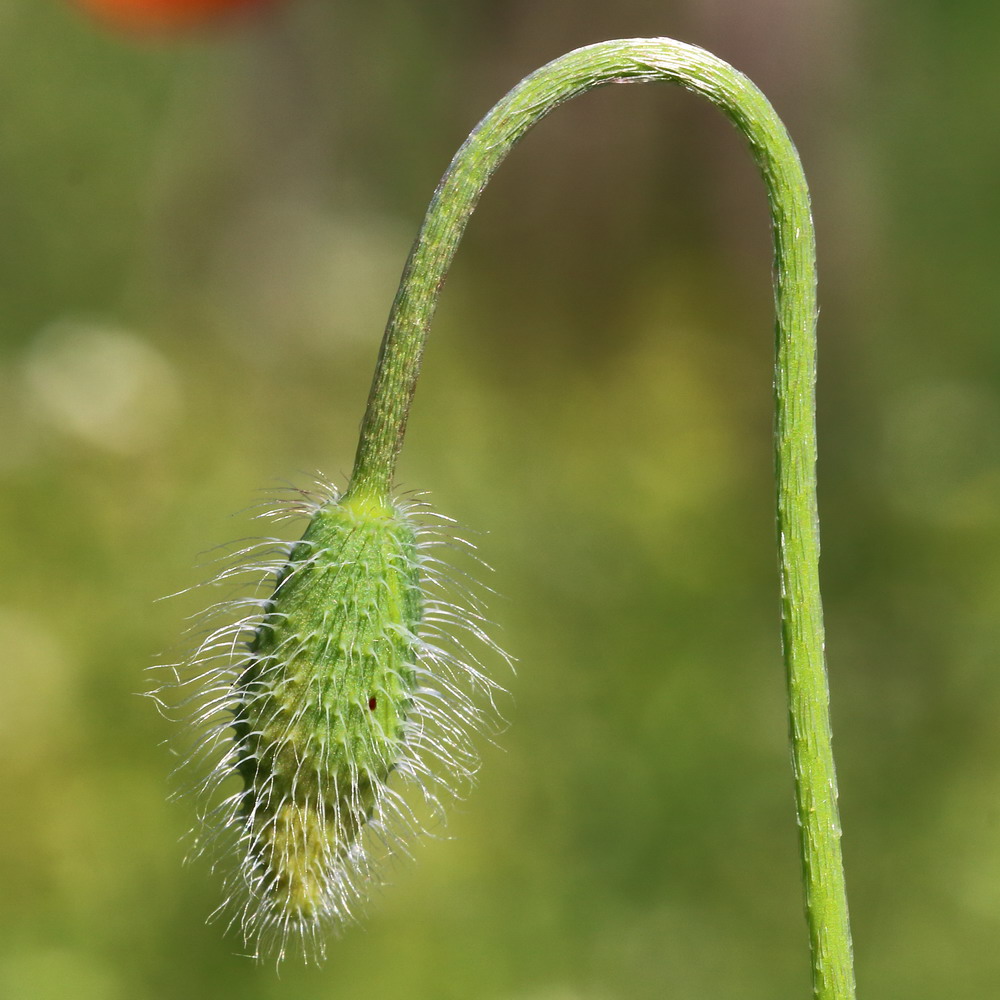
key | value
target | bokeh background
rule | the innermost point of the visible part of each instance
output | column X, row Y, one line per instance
column 199, row 241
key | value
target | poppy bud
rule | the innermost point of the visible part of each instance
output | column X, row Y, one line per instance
column 336, row 682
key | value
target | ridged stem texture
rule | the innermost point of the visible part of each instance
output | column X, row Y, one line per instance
column 646, row 61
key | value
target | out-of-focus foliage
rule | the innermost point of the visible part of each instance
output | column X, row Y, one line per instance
column 199, row 242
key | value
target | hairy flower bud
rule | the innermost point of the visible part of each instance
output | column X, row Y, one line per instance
column 335, row 682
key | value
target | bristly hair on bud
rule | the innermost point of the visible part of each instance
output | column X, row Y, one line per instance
column 353, row 683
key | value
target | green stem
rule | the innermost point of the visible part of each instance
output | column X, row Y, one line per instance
column 642, row 61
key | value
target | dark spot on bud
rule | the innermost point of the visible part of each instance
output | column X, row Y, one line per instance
column 372, row 703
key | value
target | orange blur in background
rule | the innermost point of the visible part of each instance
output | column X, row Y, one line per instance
column 143, row 15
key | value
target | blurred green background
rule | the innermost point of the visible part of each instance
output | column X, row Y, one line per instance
column 200, row 241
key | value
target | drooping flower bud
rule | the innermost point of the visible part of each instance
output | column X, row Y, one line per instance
column 338, row 681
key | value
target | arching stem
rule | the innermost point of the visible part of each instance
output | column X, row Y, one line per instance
column 646, row 61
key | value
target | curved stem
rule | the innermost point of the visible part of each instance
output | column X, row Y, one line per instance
column 642, row 61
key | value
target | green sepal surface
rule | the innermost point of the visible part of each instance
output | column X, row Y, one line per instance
column 325, row 696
